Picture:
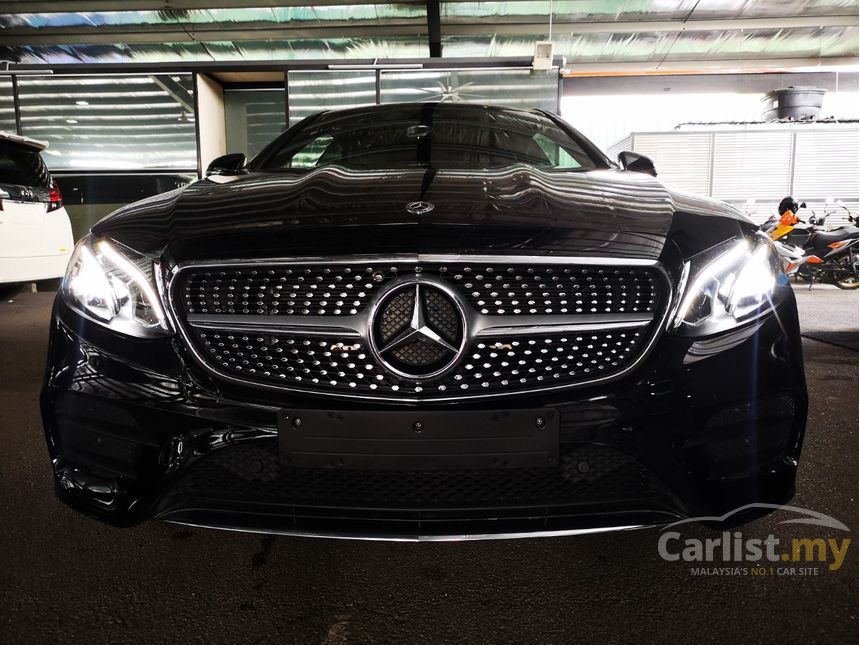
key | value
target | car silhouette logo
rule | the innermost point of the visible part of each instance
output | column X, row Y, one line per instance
column 419, row 208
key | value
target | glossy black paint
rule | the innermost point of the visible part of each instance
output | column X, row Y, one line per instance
column 637, row 163
column 152, row 395
column 229, row 165
column 331, row 211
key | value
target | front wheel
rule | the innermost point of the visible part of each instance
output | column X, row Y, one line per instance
column 850, row 281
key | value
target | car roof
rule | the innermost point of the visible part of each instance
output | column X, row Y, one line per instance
column 35, row 144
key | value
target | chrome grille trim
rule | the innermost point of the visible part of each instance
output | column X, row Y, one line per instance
column 356, row 326
column 419, row 258
column 525, row 329
column 347, row 326
column 353, row 327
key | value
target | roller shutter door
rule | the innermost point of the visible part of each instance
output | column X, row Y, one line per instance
column 752, row 165
column 826, row 165
column 682, row 160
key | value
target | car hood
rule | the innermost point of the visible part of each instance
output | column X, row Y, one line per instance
column 335, row 211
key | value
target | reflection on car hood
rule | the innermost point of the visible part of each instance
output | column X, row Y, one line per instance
column 335, row 211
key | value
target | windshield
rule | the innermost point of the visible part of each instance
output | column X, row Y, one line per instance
column 22, row 166
column 429, row 135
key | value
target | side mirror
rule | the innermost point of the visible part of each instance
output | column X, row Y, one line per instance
column 635, row 162
column 229, row 165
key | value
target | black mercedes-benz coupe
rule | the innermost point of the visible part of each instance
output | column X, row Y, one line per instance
column 424, row 321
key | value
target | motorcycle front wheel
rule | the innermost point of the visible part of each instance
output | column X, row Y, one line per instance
column 850, row 281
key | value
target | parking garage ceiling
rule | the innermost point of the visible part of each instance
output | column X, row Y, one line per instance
column 594, row 34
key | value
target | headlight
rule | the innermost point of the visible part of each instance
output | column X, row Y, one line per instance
column 729, row 285
column 113, row 286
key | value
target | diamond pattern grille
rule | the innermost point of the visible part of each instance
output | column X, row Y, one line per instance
column 396, row 314
column 495, row 365
column 420, row 352
column 491, row 366
column 339, row 290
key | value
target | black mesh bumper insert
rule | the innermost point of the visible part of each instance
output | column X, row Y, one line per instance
column 252, row 473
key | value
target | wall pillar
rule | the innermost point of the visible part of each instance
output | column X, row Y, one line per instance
column 211, row 128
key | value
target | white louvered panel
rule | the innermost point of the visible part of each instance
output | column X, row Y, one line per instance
column 620, row 146
column 826, row 165
column 682, row 159
column 752, row 165
column 760, row 211
column 837, row 217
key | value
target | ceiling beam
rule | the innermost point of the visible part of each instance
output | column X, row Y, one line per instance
column 175, row 90
column 64, row 6
column 307, row 64
column 209, row 32
column 519, row 27
column 434, row 28
column 700, row 66
column 179, row 33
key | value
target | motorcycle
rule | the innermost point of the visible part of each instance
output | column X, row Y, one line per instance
column 812, row 253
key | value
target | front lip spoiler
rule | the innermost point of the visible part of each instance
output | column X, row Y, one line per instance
column 418, row 537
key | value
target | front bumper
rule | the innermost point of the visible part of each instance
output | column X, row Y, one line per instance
column 32, row 268
column 701, row 427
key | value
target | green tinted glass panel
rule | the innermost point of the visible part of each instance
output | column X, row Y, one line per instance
column 560, row 158
column 310, row 154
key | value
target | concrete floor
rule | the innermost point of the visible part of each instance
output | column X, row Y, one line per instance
column 64, row 577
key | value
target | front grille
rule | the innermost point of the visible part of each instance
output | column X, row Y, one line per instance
column 491, row 367
column 531, row 290
column 284, row 291
column 307, row 326
column 344, row 289
column 252, row 472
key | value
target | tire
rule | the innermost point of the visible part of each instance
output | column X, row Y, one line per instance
column 851, row 282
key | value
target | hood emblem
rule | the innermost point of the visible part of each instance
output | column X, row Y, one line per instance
column 419, row 208
column 418, row 330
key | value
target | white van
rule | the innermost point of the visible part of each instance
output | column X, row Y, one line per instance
column 35, row 233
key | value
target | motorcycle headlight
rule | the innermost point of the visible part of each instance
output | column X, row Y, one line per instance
column 728, row 286
column 112, row 285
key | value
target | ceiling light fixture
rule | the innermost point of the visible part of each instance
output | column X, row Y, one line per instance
column 542, row 60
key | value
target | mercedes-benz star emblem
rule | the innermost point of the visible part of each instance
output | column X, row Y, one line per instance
column 417, row 330
column 419, row 208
